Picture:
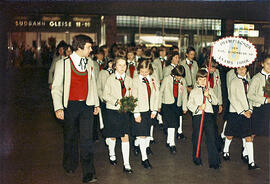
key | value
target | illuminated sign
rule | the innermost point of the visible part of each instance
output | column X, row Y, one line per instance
column 56, row 23
column 30, row 23
column 244, row 26
column 246, row 33
column 34, row 23
column 245, row 30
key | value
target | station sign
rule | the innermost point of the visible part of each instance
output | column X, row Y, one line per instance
column 55, row 23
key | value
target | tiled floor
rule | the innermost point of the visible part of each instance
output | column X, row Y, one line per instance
column 31, row 146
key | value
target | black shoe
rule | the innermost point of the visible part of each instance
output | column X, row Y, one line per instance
column 149, row 151
column 244, row 158
column 70, row 172
column 173, row 150
column 197, row 162
column 128, row 171
column 215, row 166
column 136, row 150
column 152, row 142
column 253, row 166
column 89, row 178
column 146, row 164
column 181, row 136
column 226, row 156
column 113, row 162
column 167, row 145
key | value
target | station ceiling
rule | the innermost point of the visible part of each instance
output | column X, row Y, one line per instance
column 237, row 10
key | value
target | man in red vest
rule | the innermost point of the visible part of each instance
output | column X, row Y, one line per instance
column 75, row 101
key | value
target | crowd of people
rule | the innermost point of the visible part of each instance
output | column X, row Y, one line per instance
column 88, row 85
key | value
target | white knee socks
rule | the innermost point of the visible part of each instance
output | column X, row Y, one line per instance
column 136, row 142
column 250, row 151
column 152, row 133
column 147, row 142
column 180, row 129
column 222, row 133
column 170, row 137
column 143, row 148
column 125, row 153
column 111, row 146
column 227, row 145
column 245, row 152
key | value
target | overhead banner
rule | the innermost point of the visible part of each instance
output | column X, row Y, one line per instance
column 234, row 52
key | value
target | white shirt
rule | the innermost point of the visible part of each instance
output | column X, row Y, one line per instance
column 173, row 65
column 163, row 58
column 148, row 78
column 266, row 74
column 137, row 58
column 188, row 61
column 118, row 76
column 79, row 62
column 131, row 62
column 99, row 62
column 241, row 77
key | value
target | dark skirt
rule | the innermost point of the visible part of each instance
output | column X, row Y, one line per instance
column 261, row 120
column 143, row 128
column 238, row 126
column 116, row 124
column 171, row 114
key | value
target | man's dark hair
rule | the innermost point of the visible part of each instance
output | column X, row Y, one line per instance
column 79, row 41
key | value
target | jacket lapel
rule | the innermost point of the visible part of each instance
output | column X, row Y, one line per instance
column 67, row 71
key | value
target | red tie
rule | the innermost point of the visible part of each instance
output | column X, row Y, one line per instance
column 211, row 80
column 162, row 62
column 175, row 88
column 266, row 87
column 245, row 85
column 148, row 87
column 131, row 70
column 123, row 87
column 189, row 65
column 100, row 67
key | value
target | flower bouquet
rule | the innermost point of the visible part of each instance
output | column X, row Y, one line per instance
column 127, row 104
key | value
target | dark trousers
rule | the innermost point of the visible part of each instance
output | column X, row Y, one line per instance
column 219, row 141
column 95, row 127
column 78, row 126
column 209, row 129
